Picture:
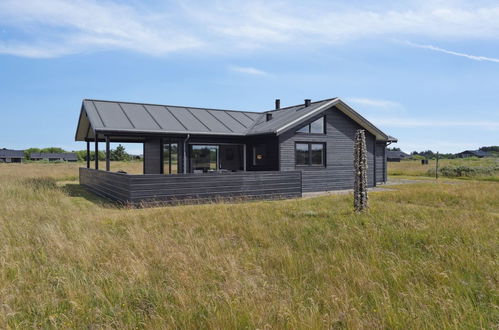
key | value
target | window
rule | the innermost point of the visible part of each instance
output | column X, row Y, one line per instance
column 315, row 127
column 204, row 158
column 302, row 154
column 310, row 154
column 170, row 158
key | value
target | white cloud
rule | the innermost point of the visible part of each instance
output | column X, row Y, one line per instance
column 248, row 70
column 50, row 28
column 442, row 50
column 376, row 103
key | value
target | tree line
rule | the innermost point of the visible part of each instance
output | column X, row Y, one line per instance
column 117, row 154
column 429, row 154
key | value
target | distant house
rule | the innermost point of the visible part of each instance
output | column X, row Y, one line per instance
column 472, row 153
column 54, row 157
column 395, row 155
column 11, row 156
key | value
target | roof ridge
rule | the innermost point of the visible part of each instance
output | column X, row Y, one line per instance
column 170, row 105
column 297, row 105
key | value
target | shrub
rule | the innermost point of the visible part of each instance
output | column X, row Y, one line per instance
column 465, row 171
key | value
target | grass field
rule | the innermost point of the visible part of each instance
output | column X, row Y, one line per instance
column 425, row 256
column 415, row 168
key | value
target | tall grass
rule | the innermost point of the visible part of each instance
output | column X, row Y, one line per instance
column 477, row 168
column 425, row 256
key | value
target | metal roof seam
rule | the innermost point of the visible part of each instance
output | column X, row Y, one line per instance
column 123, row 110
column 154, row 119
column 221, row 122
column 189, row 111
column 228, row 114
column 98, row 114
column 179, row 121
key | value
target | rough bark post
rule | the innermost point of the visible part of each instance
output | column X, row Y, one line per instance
column 360, row 167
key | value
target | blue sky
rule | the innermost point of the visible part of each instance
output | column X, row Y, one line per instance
column 426, row 72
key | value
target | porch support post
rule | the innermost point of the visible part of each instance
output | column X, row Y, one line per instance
column 161, row 156
column 108, row 164
column 184, row 151
column 374, row 163
column 88, row 154
column 96, row 151
column 244, row 157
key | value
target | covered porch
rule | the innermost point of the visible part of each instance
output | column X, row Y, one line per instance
column 191, row 169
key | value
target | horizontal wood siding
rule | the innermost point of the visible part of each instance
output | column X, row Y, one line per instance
column 380, row 161
column 339, row 138
column 111, row 185
column 192, row 188
column 152, row 156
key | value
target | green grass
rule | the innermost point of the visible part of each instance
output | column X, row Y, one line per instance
column 425, row 256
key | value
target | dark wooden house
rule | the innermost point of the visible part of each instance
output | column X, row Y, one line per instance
column 11, row 156
column 396, row 155
column 472, row 153
column 204, row 154
column 54, row 156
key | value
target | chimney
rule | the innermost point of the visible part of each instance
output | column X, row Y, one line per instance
column 268, row 116
column 307, row 102
column 277, row 104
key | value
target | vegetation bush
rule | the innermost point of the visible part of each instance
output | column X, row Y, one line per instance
column 465, row 171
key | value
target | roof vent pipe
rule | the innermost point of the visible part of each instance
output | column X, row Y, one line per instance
column 307, row 102
column 277, row 104
column 268, row 116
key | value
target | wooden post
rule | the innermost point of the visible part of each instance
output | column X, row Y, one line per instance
column 360, row 172
column 436, row 168
column 108, row 164
column 244, row 157
column 96, row 151
column 88, row 154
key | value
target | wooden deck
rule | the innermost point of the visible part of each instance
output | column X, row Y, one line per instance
column 191, row 188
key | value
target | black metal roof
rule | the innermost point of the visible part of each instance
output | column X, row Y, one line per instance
column 114, row 117
column 45, row 155
column 396, row 154
column 11, row 153
column 477, row 153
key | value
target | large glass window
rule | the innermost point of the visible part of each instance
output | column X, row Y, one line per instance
column 170, row 158
column 310, row 154
column 315, row 127
column 203, row 158
column 302, row 154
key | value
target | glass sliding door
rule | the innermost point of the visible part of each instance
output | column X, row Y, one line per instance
column 204, row 158
column 170, row 158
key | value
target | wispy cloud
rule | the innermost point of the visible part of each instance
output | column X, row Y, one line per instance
column 376, row 103
column 416, row 123
column 247, row 70
column 51, row 28
column 450, row 52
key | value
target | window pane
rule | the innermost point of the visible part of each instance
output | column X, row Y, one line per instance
column 204, row 158
column 317, row 151
column 317, row 126
column 302, row 154
column 304, row 129
column 174, row 156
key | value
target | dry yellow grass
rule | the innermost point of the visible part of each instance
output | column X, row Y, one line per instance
column 425, row 256
column 415, row 168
